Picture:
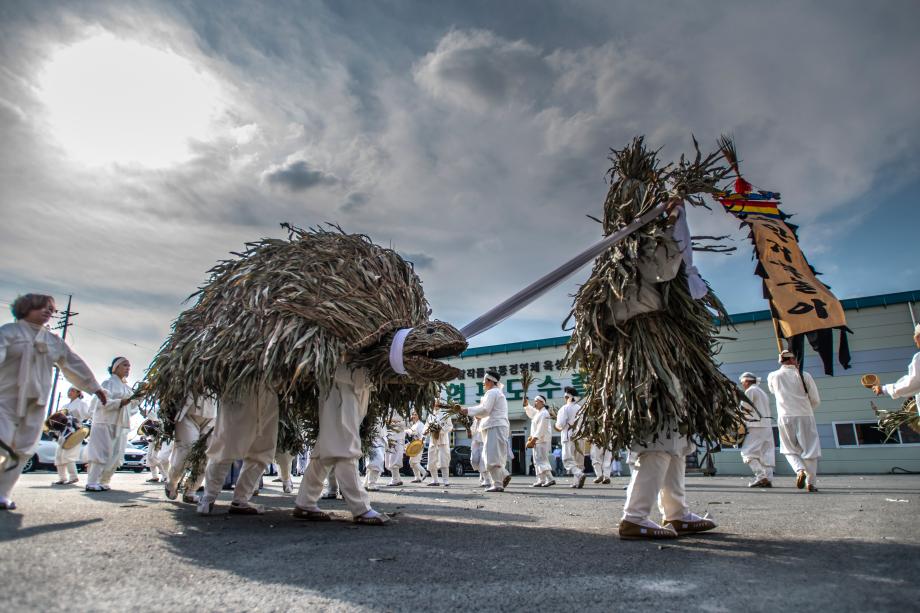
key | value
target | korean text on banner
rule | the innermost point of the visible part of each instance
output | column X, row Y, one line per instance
column 802, row 303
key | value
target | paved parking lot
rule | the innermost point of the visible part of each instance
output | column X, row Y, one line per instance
column 855, row 546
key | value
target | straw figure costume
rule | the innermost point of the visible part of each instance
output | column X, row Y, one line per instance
column 318, row 331
column 644, row 334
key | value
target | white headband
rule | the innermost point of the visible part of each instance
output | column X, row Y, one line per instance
column 118, row 363
column 917, row 330
column 489, row 377
column 539, row 397
column 396, row 350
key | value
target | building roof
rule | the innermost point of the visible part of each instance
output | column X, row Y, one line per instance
column 849, row 304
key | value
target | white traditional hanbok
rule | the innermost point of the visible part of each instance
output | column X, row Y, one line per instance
column 796, row 399
column 65, row 460
column 492, row 412
column 28, row 354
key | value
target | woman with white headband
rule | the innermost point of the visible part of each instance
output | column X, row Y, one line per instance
column 567, row 422
column 111, row 421
column 542, row 434
column 28, row 353
column 758, row 449
column 492, row 412
column 65, row 460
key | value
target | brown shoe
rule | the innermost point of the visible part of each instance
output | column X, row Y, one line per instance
column 690, row 527
column 506, row 481
column 633, row 531
column 764, row 482
column 812, row 488
column 800, row 479
column 308, row 515
column 245, row 509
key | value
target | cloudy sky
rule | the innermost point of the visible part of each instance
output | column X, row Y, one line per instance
column 142, row 142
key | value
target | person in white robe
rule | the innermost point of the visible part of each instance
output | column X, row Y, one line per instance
column 375, row 458
column 157, row 462
column 338, row 445
column 247, row 429
column 758, row 450
column 541, row 431
column 796, row 400
column 28, row 354
column 416, row 431
column 909, row 384
column 658, row 465
column 439, row 447
column 476, row 458
column 601, row 461
column 396, row 443
column 195, row 420
column 492, row 411
column 567, row 420
column 111, row 422
column 65, row 460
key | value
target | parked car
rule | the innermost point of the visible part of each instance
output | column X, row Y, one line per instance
column 459, row 461
column 134, row 459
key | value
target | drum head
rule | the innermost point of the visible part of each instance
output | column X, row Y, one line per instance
column 75, row 438
column 414, row 448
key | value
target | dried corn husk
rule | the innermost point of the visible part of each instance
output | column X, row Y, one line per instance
column 284, row 314
column 890, row 422
column 655, row 372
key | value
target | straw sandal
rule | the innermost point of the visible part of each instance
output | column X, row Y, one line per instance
column 308, row 515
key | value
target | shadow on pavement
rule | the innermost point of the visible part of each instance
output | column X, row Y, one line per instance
column 11, row 527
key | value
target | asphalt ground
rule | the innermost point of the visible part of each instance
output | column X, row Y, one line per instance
column 854, row 546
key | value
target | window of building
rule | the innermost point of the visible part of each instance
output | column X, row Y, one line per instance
column 866, row 433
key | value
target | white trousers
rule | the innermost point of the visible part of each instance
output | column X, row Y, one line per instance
column 393, row 458
column 21, row 434
column 188, row 430
column 476, row 455
column 541, row 464
column 572, row 458
column 247, row 429
column 415, row 463
column 439, row 458
column 65, row 460
column 759, row 452
column 346, row 477
column 799, row 442
column 495, row 452
column 654, row 473
column 284, row 461
column 105, row 452
column 601, row 459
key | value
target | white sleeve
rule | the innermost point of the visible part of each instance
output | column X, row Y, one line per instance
column 531, row 411
column 561, row 419
column 485, row 407
column 813, row 396
column 771, row 383
column 909, row 384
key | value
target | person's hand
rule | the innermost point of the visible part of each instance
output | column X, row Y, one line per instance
column 464, row 411
column 877, row 389
column 673, row 203
column 100, row 394
column 525, row 401
column 124, row 401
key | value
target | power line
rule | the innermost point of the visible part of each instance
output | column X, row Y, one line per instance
column 117, row 338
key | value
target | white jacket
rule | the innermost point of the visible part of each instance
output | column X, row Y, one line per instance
column 909, row 384
column 761, row 402
column 78, row 409
column 492, row 410
column 447, row 426
column 28, row 354
column 791, row 398
column 567, row 420
column 540, row 424
column 111, row 413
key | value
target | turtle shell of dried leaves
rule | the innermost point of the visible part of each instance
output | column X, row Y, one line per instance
column 285, row 313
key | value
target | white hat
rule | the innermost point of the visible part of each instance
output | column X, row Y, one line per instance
column 785, row 354
column 917, row 330
column 749, row 376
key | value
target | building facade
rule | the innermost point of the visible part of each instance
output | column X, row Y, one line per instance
column 881, row 343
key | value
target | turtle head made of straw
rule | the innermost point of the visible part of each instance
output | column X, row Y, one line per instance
column 426, row 344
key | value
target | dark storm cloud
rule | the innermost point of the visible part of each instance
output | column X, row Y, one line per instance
column 297, row 176
column 354, row 201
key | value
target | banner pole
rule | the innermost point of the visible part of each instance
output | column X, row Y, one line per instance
column 779, row 340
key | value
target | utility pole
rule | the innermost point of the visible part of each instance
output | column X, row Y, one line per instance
column 64, row 324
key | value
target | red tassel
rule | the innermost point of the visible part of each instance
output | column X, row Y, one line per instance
column 742, row 186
